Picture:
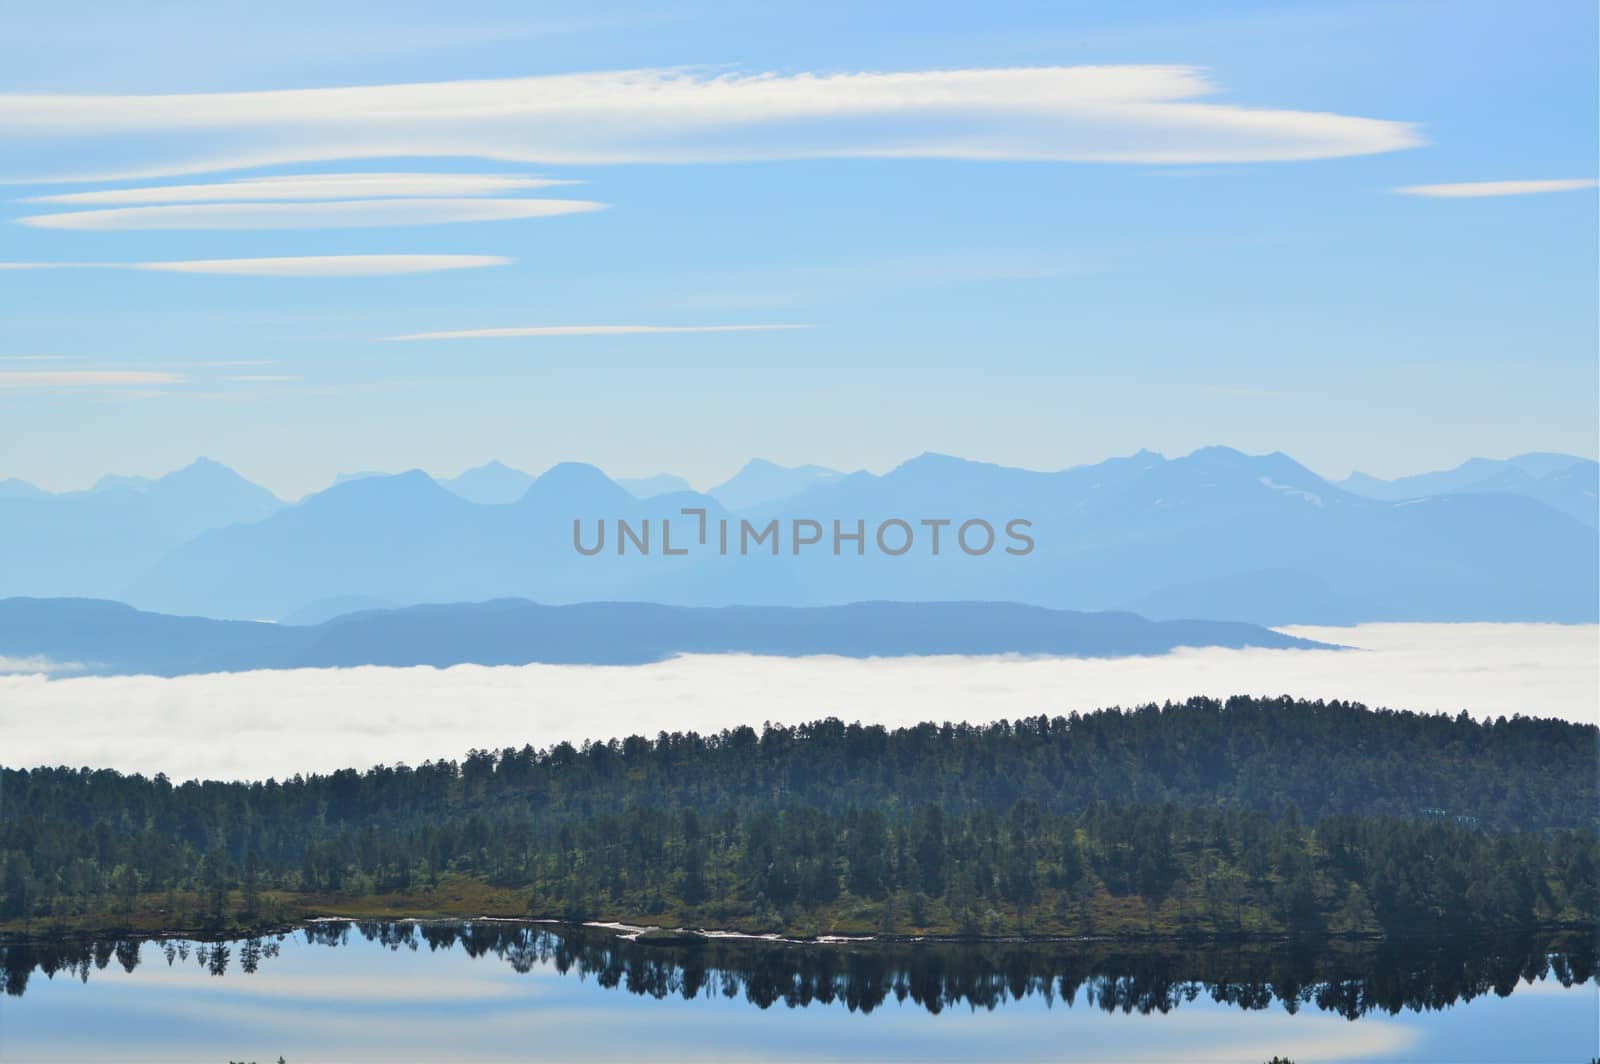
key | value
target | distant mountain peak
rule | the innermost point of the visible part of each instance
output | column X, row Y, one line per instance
column 1275, row 464
column 572, row 472
column 935, row 463
column 413, row 483
column 491, row 483
column 120, row 482
column 1217, row 452
column 574, row 483
column 201, row 469
column 493, row 465
column 763, row 465
column 652, row 486
column 761, row 481
column 1564, row 482
column 927, row 458
column 13, row 488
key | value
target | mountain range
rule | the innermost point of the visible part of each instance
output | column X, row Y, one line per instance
column 1216, row 534
column 89, row 636
column 95, row 541
column 1569, row 484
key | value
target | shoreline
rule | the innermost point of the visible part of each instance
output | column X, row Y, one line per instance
column 650, row 934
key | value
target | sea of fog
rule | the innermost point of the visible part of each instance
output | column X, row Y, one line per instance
column 260, row 724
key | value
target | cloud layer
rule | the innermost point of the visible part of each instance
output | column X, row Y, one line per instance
column 587, row 330
column 290, row 266
column 1126, row 114
column 310, row 187
column 252, row 725
column 84, row 378
column 337, row 214
column 1480, row 189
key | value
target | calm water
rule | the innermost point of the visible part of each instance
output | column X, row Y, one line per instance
column 498, row 991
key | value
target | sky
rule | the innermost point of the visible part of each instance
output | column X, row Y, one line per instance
column 304, row 239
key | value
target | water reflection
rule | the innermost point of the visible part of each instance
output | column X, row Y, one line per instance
column 1347, row 979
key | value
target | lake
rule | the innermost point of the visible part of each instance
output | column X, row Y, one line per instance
column 491, row 990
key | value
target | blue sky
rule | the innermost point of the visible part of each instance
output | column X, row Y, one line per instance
column 996, row 254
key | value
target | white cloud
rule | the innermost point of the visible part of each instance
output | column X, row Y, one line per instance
column 294, row 266
column 340, row 214
column 256, row 724
column 330, row 265
column 587, row 330
column 36, row 666
column 86, row 378
column 311, row 187
column 1126, row 114
column 1479, row 189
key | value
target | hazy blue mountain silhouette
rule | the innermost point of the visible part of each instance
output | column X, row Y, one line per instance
column 1563, row 481
column 399, row 538
column 1215, row 534
column 649, row 487
column 762, row 482
column 491, row 483
column 98, row 637
column 113, row 483
column 337, row 606
column 12, row 488
column 1139, row 531
column 360, row 474
column 406, row 539
column 92, row 542
column 1276, row 596
column 110, row 638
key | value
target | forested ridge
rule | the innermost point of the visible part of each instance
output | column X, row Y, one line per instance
column 1248, row 816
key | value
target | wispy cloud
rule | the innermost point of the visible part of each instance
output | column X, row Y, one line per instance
column 587, row 330
column 36, row 666
column 1479, row 189
column 1126, row 114
column 1233, row 392
column 311, row 187
column 87, row 378
column 294, row 266
column 261, row 378
column 339, row 214
column 232, row 362
column 331, row 265
column 40, row 358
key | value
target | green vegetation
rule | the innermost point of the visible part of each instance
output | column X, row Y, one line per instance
column 1250, row 817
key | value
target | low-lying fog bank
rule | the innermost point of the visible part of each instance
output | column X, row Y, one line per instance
column 277, row 723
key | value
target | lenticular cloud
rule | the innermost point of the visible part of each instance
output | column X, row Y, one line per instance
column 1120, row 114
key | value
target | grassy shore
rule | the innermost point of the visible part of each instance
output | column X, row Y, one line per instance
column 1056, row 915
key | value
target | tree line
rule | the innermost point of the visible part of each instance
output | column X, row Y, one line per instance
column 1347, row 979
column 1244, row 816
